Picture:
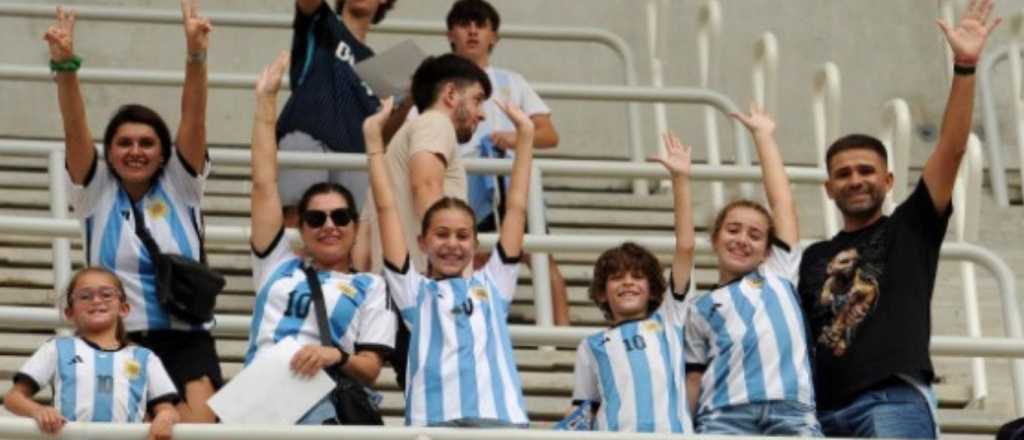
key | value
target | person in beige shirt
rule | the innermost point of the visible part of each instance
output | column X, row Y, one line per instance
column 422, row 158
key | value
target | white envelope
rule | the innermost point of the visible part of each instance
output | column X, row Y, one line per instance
column 267, row 392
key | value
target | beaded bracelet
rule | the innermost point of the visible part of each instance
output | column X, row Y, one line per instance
column 69, row 65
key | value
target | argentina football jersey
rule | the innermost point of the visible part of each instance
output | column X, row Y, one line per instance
column 356, row 304
column 91, row 384
column 636, row 372
column 460, row 364
column 170, row 211
column 749, row 338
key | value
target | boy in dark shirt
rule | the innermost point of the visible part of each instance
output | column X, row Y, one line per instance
column 867, row 292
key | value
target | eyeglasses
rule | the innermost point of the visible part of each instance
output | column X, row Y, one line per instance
column 316, row 218
column 104, row 293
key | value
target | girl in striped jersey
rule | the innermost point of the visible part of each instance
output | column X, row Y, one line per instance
column 633, row 372
column 746, row 343
column 362, row 326
column 461, row 371
column 96, row 375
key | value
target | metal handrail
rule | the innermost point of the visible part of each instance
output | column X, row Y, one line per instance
column 990, row 121
column 709, row 26
column 825, row 110
column 280, row 21
column 539, row 243
column 766, row 72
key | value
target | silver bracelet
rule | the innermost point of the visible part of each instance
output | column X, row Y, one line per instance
column 196, row 57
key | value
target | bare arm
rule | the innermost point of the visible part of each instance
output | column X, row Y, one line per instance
column 164, row 418
column 967, row 41
column 396, row 119
column 544, row 135
column 693, row 379
column 514, row 224
column 192, row 129
column 392, row 237
column 77, row 139
column 363, row 366
column 426, row 177
column 18, row 400
column 677, row 162
column 776, row 183
column 267, row 218
column 308, row 7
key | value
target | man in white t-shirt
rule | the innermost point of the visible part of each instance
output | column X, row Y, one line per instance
column 473, row 33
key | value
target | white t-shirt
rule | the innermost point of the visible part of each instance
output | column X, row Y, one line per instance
column 172, row 214
column 750, row 339
column 460, row 354
column 91, row 384
column 510, row 87
column 356, row 303
column 637, row 373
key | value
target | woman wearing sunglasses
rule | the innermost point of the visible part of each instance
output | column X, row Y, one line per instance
column 361, row 325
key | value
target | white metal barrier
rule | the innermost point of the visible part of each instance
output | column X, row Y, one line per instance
column 568, row 337
column 825, row 111
column 391, row 26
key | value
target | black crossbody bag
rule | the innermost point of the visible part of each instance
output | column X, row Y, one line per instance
column 185, row 288
column 351, row 402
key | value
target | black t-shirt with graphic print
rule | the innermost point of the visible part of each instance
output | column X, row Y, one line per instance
column 329, row 101
column 866, row 296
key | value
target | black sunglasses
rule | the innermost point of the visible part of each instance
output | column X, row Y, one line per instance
column 316, row 218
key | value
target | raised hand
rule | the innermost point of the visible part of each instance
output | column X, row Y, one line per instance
column 677, row 156
column 197, row 29
column 968, row 38
column 60, row 36
column 757, row 121
column 519, row 119
column 269, row 81
column 373, row 125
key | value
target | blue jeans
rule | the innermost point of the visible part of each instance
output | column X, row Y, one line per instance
column 778, row 417
column 898, row 410
column 323, row 410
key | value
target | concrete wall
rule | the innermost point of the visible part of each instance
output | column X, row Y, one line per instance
column 884, row 49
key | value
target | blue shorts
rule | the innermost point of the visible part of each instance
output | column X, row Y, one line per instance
column 777, row 417
column 899, row 409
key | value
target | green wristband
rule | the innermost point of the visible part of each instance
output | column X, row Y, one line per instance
column 69, row 65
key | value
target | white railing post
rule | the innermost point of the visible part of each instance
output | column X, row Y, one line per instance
column 59, row 210
column 967, row 208
column 895, row 136
column 825, row 108
column 539, row 268
column 766, row 69
column 1017, row 90
column 655, row 44
column 709, row 25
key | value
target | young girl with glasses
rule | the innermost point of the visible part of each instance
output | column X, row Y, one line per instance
column 96, row 376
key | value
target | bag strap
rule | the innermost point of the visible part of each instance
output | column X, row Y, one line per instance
column 318, row 303
column 143, row 233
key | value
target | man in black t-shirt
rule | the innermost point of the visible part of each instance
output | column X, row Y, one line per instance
column 329, row 101
column 867, row 292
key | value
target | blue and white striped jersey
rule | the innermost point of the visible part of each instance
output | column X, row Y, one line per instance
column 91, row 384
column 356, row 303
column 172, row 214
column 460, row 353
column 749, row 337
column 636, row 371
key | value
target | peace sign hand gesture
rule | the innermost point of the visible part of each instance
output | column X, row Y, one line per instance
column 60, row 36
column 197, row 29
column 968, row 38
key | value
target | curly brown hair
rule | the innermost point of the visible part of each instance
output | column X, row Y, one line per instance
column 382, row 10
column 627, row 257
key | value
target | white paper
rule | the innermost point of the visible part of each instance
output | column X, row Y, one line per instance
column 389, row 73
column 268, row 392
